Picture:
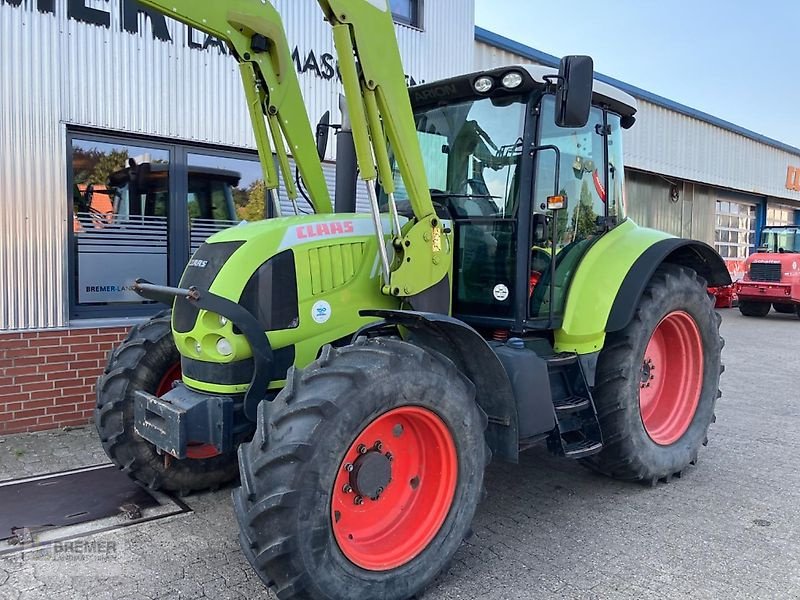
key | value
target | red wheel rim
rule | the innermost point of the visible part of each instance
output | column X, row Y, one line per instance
column 672, row 378
column 409, row 454
column 193, row 450
column 172, row 375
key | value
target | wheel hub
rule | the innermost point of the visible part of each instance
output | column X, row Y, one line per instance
column 371, row 473
column 647, row 373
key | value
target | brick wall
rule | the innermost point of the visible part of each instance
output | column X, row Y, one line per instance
column 47, row 378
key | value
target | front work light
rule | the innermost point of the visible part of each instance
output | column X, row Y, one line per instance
column 512, row 80
column 483, row 84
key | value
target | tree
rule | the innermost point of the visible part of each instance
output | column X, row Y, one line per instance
column 253, row 207
column 584, row 219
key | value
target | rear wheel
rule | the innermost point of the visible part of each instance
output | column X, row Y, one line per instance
column 750, row 308
column 363, row 476
column 784, row 309
column 657, row 380
column 148, row 360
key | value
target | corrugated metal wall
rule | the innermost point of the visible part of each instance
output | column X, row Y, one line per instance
column 58, row 72
column 33, row 202
column 651, row 203
column 667, row 142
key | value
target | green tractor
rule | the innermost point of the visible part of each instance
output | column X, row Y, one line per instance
column 367, row 367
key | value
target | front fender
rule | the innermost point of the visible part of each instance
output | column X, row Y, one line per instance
column 475, row 359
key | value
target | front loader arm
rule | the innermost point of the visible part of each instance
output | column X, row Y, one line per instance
column 377, row 97
column 254, row 31
column 380, row 108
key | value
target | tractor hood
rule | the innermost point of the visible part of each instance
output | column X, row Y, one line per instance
column 303, row 278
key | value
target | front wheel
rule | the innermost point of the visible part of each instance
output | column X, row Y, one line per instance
column 658, row 380
column 363, row 476
column 148, row 360
column 784, row 309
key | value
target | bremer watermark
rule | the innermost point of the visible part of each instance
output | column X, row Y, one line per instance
column 67, row 550
column 78, row 550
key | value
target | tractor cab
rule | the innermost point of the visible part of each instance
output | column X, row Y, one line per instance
column 527, row 196
column 141, row 189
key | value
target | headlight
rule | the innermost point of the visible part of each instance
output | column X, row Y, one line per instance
column 512, row 80
column 224, row 347
column 483, row 84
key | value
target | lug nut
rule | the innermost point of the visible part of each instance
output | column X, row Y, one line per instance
column 358, row 500
column 347, row 488
column 348, row 467
column 389, row 456
column 362, row 449
column 378, row 446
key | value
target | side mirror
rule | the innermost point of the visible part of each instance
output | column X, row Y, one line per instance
column 323, row 130
column 574, row 93
column 539, row 228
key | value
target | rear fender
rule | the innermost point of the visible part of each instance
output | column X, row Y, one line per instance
column 612, row 275
column 700, row 257
column 475, row 359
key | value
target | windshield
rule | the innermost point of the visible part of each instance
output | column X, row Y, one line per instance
column 471, row 152
column 784, row 239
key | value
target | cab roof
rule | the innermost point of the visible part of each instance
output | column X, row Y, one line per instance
column 533, row 75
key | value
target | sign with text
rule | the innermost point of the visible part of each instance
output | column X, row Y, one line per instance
column 793, row 179
column 321, row 63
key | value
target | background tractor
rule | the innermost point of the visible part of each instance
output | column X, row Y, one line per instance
column 772, row 279
column 368, row 366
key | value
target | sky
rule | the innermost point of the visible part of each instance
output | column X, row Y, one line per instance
column 737, row 60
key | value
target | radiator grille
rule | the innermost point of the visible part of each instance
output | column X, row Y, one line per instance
column 331, row 267
column 765, row 272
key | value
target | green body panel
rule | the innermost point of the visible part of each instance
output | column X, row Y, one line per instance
column 596, row 283
column 336, row 261
column 270, row 84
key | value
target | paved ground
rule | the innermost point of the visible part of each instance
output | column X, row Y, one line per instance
column 548, row 529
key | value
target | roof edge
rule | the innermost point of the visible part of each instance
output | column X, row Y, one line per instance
column 509, row 45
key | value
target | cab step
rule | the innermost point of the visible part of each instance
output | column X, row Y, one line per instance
column 570, row 404
column 577, row 433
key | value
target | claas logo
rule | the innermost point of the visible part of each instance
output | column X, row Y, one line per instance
column 324, row 229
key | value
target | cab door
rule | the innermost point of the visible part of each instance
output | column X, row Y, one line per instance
column 592, row 204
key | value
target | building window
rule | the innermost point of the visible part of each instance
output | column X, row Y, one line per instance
column 407, row 12
column 736, row 229
column 780, row 215
column 139, row 209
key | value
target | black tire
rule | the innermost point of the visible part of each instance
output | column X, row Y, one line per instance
column 140, row 363
column 784, row 309
column 287, row 472
column 629, row 453
column 750, row 308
